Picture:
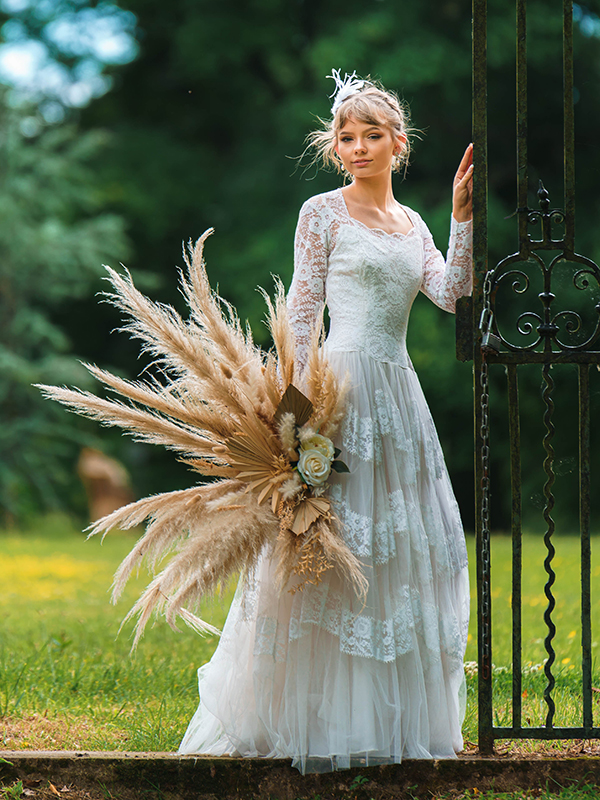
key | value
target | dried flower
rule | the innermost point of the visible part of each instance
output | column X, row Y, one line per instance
column 292, row 487
column 314, row 467
column 305, row 433
column 287, row 434
column 321, row 443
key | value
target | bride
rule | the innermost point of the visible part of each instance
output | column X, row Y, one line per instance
column 321, row 676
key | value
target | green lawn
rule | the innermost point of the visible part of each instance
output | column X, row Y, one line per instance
column 67, row 680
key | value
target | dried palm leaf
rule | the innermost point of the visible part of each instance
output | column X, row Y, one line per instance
column 295, row 403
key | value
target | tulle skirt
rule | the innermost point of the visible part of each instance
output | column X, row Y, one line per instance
column 322, row 678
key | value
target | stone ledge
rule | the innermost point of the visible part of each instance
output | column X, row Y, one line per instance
column 167, row 776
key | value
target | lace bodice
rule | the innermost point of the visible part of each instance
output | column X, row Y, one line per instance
column 369, row 278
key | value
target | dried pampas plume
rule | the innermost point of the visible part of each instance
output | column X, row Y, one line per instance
column 233, row 413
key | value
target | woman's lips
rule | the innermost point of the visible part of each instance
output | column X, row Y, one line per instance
column 361, row 163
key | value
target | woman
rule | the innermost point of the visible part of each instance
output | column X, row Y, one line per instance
column 320, row 676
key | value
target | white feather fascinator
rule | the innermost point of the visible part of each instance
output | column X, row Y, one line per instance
column 344, row 88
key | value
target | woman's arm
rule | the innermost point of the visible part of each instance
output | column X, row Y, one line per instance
column 446, row 280
column 307, row 292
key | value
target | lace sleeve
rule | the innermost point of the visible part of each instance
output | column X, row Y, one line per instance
column 307, row 292
column 445, row 281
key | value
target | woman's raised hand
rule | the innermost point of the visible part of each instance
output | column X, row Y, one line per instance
column 462, row 188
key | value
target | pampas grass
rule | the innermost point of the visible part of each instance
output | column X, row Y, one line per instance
column 228, row 408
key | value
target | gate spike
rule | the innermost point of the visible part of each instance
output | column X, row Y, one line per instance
column 543, row 197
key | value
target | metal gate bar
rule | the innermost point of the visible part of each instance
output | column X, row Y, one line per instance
column 472, row 313
column 522, row 173
column 569, row 124
column 584, row 523
column 517, row 556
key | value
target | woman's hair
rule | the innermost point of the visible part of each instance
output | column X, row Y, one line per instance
column 371, row 104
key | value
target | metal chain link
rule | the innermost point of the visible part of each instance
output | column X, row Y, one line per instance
column 485, row 325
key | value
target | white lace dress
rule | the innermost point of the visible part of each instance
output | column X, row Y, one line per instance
column 317, row 676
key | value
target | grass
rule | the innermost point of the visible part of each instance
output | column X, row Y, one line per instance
column 67, row 680
column 566, row 616
column 578, row 792
column 15, row 791
column 12, row 792
column 585, row 792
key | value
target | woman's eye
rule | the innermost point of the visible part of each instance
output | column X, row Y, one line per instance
column 346, row 139
column 375, row 136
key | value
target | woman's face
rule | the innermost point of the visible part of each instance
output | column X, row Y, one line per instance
column 367, row 150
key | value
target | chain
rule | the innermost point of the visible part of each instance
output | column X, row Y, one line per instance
column 485, row 325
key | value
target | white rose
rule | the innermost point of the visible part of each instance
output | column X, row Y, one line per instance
column 314, row 467
column 320, row 443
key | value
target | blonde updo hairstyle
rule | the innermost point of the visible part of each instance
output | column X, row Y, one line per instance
column 372, row 105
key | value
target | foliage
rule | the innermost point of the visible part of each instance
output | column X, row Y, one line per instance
column 66, row 48
column 54, row 235
column 13, row 792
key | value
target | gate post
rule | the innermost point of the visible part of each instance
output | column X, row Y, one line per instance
column 480, row 266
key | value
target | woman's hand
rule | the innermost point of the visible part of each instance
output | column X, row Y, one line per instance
column 462, row 188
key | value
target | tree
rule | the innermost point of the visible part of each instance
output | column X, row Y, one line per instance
column 54, row 237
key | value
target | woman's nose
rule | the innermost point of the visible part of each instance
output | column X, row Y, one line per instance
column 359, row 145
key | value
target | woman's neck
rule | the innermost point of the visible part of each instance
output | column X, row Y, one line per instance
column 372, row 192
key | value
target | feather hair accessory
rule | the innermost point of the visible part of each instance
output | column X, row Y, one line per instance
column 235, row 416
column 344, row 88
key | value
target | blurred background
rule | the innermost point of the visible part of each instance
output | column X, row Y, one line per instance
column 128, row 128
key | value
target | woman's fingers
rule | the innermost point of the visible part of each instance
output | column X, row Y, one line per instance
column 463, row 188
column 462, row 184
column 468, row 176
column 466, row 162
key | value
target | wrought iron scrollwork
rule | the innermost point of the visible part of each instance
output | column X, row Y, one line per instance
column 553, row 330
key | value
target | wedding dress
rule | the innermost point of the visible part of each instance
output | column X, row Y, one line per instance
column 318, row 676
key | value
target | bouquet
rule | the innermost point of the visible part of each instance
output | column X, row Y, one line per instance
column 236, row 416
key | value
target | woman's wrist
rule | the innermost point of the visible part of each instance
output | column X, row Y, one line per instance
column 462, row 213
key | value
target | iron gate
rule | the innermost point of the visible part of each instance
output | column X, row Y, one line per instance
column 541, row 335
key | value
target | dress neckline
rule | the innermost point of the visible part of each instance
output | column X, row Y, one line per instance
column 397, row 234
